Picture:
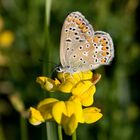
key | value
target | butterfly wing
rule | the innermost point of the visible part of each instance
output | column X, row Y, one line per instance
column 91, row 54
column 75, row 31
column 81, row 48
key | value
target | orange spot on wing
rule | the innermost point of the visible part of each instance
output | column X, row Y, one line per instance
column 104, row 48
column 81, row 26
column 103, row 60
column 104, row 54
column 84, row 30
column 77, row 21
column 95, row 39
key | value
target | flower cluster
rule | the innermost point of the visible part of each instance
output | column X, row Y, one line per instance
column 77, row 109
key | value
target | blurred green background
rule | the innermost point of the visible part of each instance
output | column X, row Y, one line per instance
column 22, row 57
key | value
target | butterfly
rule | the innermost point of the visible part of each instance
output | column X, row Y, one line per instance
column 82, row 48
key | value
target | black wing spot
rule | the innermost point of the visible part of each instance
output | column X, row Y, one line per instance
column 81, row 47
column 87, row 46
column 68, row 40
column 91, row 66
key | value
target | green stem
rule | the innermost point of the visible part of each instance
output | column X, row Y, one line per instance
column 74, row 136
column 51, row 132
column 23, row 128
column 2, row 137
column 60, row 132
column 47, row 48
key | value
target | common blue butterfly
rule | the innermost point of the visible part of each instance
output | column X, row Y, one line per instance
column 82, row 48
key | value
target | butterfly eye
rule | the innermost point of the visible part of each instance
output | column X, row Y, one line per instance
column 59, row 69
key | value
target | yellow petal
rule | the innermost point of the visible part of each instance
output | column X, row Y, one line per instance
column 47, row 83
column 35, row 117
column 84, row 90
column 58, row 109
column 81, row 87
column 87, row 75
column 91, row 114
column 73, row 78
column 45, row 107
column 69, row 124
column 87, row 97
column 66, row 87
column 74, row 107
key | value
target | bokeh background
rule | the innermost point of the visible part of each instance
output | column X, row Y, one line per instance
column 23, row 55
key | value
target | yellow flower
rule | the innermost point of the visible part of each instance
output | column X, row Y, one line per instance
column 81, row 85
column 68, row 81
column 35, row 118
column 48, row 84
column 6, row 38
column 66, row 113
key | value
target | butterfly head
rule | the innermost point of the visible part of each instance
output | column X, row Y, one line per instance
column 66, row 69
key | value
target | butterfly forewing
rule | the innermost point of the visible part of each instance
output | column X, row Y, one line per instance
column 75, row 31
column 81, row 48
